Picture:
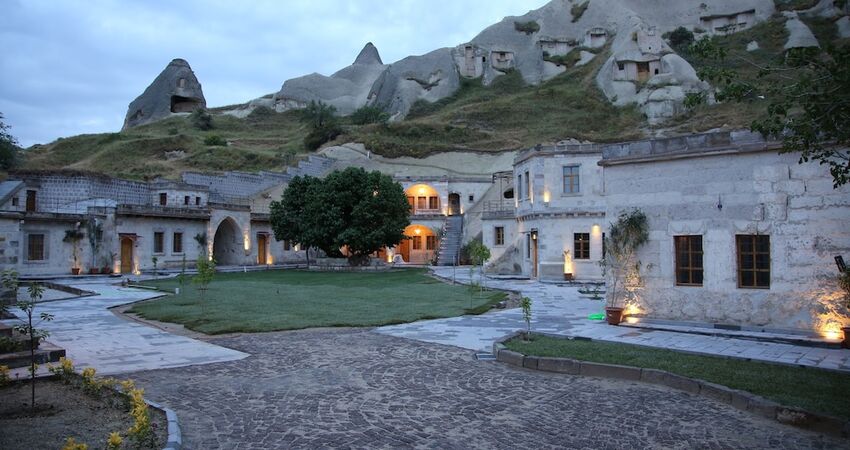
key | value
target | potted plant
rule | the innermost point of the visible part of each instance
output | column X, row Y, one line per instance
column 621, row 267
column 74, row 236
column 94, row 232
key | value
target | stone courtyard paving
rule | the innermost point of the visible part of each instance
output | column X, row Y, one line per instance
column 345, row 388
column 560, row 310
column 95, row 337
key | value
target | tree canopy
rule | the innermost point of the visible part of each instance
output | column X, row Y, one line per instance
column 808, row 99
column 352, row 209
column 9, row 151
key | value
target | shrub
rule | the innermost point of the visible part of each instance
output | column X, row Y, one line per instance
column 261, row 112
column 321, row 135
column 369, row 114
column 527, row 27
column 578, row 10
column 680, row 39
column 215, row 140
column 201, row 119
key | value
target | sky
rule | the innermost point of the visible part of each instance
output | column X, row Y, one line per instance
column 72, row 67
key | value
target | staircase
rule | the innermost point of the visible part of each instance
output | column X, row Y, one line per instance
column 450, row 243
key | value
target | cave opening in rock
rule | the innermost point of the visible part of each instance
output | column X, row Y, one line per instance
column 184, row 104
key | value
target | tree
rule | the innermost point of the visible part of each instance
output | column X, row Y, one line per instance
column 625, row 236
column 206, row 272
column 479, row 254
column 525, row 304
column 9, row 151
column 29, row 329
column 201, row 119
column 808, row 99
column 369, row 114
column 681, row 38
column 323, row 124
column 351, row 209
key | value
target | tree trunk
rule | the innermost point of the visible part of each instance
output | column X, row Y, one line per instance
column 32, row 359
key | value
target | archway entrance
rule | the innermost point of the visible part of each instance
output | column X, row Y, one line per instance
column 454, row 204
column 420, row 247
column 227, row 244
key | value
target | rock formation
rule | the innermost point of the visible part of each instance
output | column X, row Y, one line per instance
column 175, row 90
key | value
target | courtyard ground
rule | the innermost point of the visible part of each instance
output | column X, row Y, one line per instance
column 278, row 300
column 347, row 388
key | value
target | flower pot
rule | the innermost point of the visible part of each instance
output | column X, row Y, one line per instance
column 94, row 271
column 105, row 270
column 613, row 315
column 75, row 271
column 846, row 342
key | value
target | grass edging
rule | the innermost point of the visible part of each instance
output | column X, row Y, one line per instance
column 742, row 400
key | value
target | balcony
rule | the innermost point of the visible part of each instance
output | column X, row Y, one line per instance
column 163, row 211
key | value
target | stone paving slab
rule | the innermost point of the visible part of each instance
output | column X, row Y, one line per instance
column 94, row 337
column 561, row 310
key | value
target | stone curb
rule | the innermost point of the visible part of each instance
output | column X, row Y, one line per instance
column 742, row 400
column 175, row 437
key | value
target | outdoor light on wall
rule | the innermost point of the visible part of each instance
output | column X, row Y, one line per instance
column 568, row 266
column 417, row 231
column 546, row 198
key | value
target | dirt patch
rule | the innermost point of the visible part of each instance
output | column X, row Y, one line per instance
column 64, row 411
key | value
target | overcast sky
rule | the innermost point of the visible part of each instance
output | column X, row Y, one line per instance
column 72, row 67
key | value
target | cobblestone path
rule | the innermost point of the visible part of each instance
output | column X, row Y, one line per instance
column 360, row 389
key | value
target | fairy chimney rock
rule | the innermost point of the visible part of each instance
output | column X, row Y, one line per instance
column 175, row 90
column 369, row 55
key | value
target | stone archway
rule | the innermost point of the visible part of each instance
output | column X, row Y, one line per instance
column 227, row 243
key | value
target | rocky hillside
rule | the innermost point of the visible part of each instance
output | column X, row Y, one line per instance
column 485, row 111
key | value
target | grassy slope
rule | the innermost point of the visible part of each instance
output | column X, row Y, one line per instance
column 506, row 115
column 288, row 300
column 811, row 389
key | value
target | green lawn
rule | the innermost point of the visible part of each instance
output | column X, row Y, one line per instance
column 807, row 388
column 290, row 300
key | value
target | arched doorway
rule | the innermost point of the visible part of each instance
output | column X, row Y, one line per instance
column 227, row 244
column 454, row 204
column 420, row 247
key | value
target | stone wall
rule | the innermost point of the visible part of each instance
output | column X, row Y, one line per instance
column 737, row 185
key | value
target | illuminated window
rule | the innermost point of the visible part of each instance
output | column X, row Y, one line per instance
column 753, row 261
column 417, row 242
column 581, row 245
column 689, row 264
column 421, row 203
column 430, row 242
column 433, row 203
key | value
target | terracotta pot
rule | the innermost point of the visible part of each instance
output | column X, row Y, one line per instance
column 75, row 271
column 613, row 315
column 94, row 271
column 846, row 342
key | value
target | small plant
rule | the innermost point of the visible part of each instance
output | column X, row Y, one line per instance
column 201, row 239
column 90, row 383
column 578, row 10
column 529, row 27
column 201, row 119
column 114, row 441
column 215, row 141
column 74, row 236
column 4, row 376
column 680, row 39
column 141, row 432
column 154, row 260
column 72, row 444
column 206, row 272
column 65, row 370
column 479, row 254
column 369, row 114
column 28, row 328
column 525, row 304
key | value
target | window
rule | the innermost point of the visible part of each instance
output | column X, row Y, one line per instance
column 417, row 242
column 163, row 198
column 621, row 66
column 177, row 243
column 571, row 179
column 421, row 203
column 433, row 203
column 30, row 201
column 499, row 236
column 158, row 241
column 15, row 201
column 581, row 245
column 753, row 261
column 471, row 198
column 412, row 202
column 430, row 242
column 527, row 185
column 186, row 200
column 689, row 266
column 286, row 246
column 603, row 246
column 197, row 201
column 528, row 246
column 35, row 247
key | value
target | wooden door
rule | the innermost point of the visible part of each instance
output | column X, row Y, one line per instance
column 405, row 250
column 262, row 249
column 534, row 240
column 126, row 255
column 454, row 204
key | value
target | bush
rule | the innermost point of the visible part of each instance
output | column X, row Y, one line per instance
column 369, row 114
column 527, row 27
column 321, row 135
column 261, row 112
column 201, row 119
column 680, row 39
column 578, row 10
column 215, row 140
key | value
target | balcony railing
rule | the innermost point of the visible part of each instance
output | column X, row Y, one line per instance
column 427, row 212
column 497, row 209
